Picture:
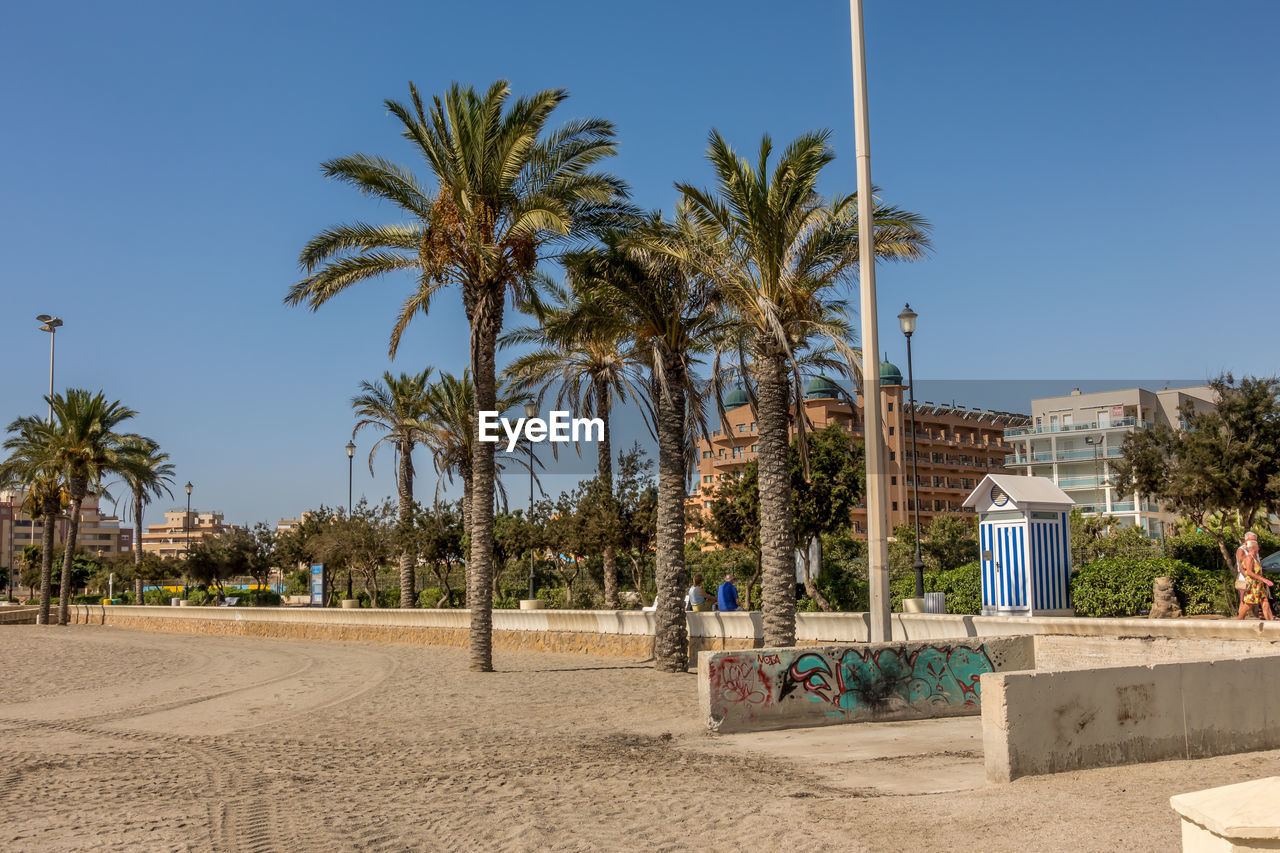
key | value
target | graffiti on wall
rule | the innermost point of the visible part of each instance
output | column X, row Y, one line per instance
column 850, row 682
column 871, row 680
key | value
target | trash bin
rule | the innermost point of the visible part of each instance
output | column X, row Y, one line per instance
column 935, row 602
column 173, row 602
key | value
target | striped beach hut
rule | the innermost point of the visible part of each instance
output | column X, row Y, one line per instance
column 1024, row 535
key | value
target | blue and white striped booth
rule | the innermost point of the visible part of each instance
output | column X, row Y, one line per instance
column 1024, row 534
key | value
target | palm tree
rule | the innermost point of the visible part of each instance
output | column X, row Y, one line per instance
column 86, row 447
column 672, row 316
column 32, row 466
column 446, row 430
column 148, row 474
column 594, row 366
column 506, row 190
column 395, row 405
column 778, row 252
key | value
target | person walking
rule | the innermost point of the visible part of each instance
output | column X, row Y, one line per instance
column 1256, row 594
column 727, row 594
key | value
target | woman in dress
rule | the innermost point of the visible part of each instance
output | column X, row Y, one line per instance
column 1257, row 591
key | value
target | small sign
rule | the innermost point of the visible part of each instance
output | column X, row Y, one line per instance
column 317, row 584
column 1117, row 411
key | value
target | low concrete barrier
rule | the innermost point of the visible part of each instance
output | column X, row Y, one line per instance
column 18, row 615
column 793, row 687
column 1049, row 722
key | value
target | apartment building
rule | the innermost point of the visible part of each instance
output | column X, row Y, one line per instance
column 1073, row 439
column 97, row 532
column 956, row 447
column 170, row 538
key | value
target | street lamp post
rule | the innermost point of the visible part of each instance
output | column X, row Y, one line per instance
column 50, row 324
column 907, row 320
column 186, row 526
column 530, row 412
column 351, row 458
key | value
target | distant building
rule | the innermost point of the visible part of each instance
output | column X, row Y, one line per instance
column 96, row 533
column 288, row 525
column 957, row 446
column 1073, row 439
column 170, row 538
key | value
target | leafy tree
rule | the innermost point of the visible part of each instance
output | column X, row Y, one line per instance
column 507, row 189
column 735, row 520
column 298, row 547
column 437, row 539
column 636, row 503
column 31, row 574
column 823, row 501
column 950, row 541
column 396, row 405
column 1222, row 469
column 776, row 251
column 363, row 543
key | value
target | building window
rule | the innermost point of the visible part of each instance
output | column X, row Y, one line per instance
column 893, row 481
column 891, row 405
column 890, row 430
column 742, row 427
column 753, row 426
column 895, row 506
column 892, row 455
column 720, row 453
column 706, row 454
column 753, row 447
column 706, row 478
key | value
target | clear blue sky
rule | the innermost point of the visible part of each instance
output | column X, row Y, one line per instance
column 1101, row 176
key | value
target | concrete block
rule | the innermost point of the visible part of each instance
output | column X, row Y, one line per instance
column 1230, row 818
column 776, row 688
column 1049, row 722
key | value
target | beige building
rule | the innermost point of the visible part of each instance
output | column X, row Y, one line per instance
column 1073, row 439
column 170, row 538
column 956, row 447
column 97, row 532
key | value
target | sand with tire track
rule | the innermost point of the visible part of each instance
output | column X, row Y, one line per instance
column 120, row 740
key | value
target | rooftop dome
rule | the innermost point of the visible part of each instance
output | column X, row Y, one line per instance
column 820, row 388
column 890, row 374
column 737, row 397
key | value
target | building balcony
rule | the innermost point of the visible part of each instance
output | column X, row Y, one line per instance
column 1118, row 423
column 1061, row 456
column 1083, row 483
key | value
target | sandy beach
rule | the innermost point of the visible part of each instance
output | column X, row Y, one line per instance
column 123, row 740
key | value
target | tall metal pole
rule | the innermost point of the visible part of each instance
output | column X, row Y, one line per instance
column 351, row 461
column 877, row 523
column 50, row 324
column 531, row 520
column 186, row 526
column 915, row 477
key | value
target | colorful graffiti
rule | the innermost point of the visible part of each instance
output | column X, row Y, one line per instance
column 773, row 688
column 866, row 680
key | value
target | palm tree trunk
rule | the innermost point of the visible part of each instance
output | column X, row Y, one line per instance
column 466, row 499
column 484, row 337
column 777, row 548
column 407, row 557
column 604, row 464
column 671, row 635
column 49, row 518
column 137, row 548
column 73, row 530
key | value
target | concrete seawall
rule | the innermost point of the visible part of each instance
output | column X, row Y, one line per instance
column 629, row 633
column 1049, row 722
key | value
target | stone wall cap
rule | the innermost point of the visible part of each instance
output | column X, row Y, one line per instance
column 1243, row 810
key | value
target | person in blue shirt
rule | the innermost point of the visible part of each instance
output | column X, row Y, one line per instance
column 727, row 595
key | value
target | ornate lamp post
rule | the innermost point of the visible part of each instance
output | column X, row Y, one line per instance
column 50, row 325
column 186, row 526
column 907, row 321
column 351, row 458
column 530, row 412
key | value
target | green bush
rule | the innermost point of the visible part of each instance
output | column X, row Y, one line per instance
column 844, row 587
column 87, row 599
column 198, row 597
column 255, row 597
column 962, row 586
column 1119, row 586
column 157, row 597
column 389, row 598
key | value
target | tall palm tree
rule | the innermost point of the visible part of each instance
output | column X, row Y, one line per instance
column 673, row 317
column 593, row 365
column 148, row 475
column 33, row 467
column 86, row 447
column 779, row 251
column 507, row 190
column 395, row 406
